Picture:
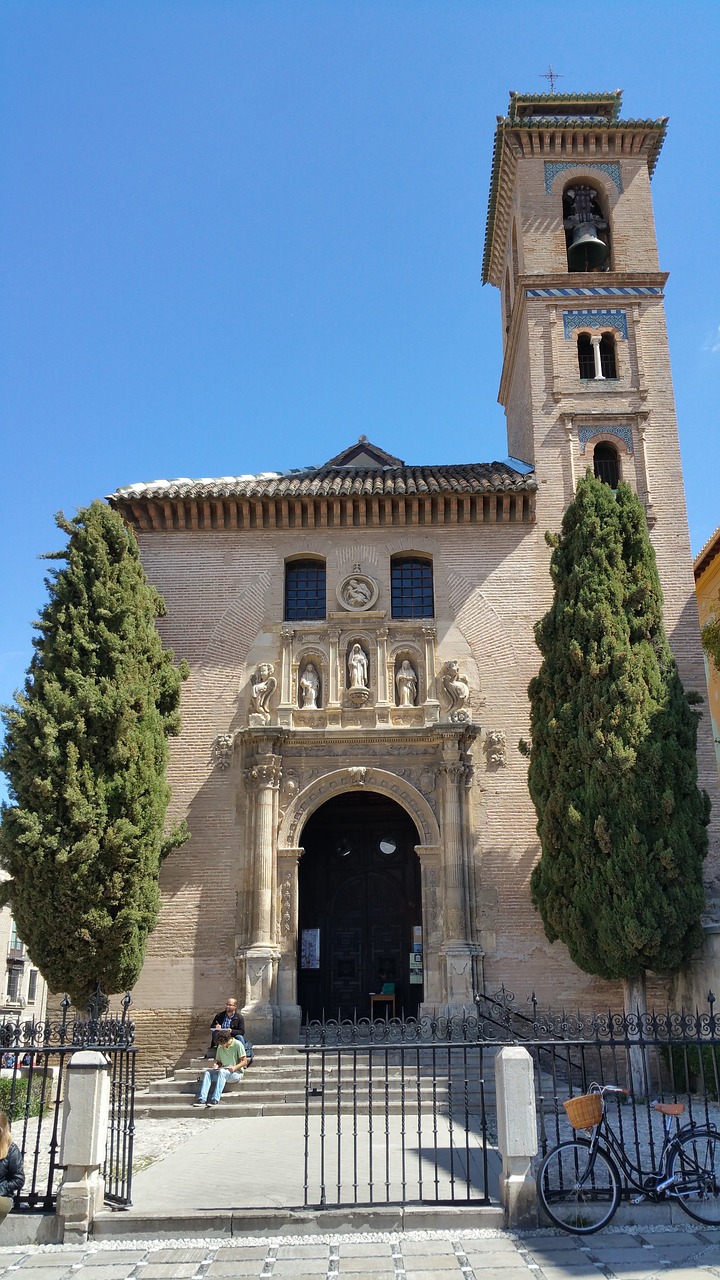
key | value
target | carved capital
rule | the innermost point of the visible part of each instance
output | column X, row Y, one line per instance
column 264, row 775
column 454, row 771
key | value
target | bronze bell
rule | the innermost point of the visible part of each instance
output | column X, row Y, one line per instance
column 587, row 251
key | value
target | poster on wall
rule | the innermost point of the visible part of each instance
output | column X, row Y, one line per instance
column 310, row 949
column 416, row 975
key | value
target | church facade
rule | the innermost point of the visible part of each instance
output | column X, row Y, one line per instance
column 360, row 637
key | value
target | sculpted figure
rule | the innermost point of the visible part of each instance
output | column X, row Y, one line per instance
column 406, row 684
column 264, row 685
column 456, row 687
column 310, row 688
column 357, row 592
column 358, row 668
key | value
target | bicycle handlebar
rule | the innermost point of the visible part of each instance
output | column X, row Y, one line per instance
column 608, row 1088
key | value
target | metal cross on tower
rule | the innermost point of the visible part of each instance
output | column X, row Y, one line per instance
column 552, row 76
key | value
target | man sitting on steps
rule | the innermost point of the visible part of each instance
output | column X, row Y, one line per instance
column 230, row 1061
column 226, row 1018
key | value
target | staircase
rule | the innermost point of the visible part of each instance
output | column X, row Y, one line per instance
column 275, row 1085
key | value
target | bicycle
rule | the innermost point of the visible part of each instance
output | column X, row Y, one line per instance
column 579, row 1184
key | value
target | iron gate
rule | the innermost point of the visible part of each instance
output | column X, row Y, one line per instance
column 33, row 1062
column 395, row 1113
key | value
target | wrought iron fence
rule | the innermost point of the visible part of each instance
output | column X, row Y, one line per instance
column 403, row 1110
column 33, row 1061
column 668, row 1057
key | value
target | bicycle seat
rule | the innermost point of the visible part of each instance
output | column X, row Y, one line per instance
column 669, row 1108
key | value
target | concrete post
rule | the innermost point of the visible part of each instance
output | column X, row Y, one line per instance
column 82, row 1145
column 517, row 1135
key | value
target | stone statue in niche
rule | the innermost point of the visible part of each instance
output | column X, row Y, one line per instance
column 457, row 689
column 263, row 686
column 358, row 668
column 310, row 688
column 406, row 684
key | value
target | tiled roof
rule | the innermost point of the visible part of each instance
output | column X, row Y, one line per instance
column 338, row 481
column 362, row 485
column 707, row 554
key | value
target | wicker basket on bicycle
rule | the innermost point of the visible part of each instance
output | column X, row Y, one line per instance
column 585, row 1111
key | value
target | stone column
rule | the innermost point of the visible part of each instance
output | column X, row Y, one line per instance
column 82, row 1145
column 595, row 344
column 289, row 1009
column 262, row 780
column 430, row 876
column 432, row 706
column 457, row 950
column 452, row 775
column 517, row 1135
column 285, row 709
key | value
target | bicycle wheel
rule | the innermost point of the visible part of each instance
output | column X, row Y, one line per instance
column 695, row 1164
column 578, row 1192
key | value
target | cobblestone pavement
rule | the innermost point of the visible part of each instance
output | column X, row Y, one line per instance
column 413, row 1255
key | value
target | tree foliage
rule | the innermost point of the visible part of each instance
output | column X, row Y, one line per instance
column 86, row 753
column 711, row 639
column 613, row 772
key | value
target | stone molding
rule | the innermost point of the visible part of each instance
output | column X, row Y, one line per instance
column 356, row 778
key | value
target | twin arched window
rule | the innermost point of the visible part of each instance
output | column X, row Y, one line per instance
column 596, row 356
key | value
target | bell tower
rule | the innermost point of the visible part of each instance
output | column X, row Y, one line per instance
column 571, row 246
column 586, row 378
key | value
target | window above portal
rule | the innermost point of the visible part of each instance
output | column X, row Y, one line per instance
column 305, row 590
column 411, row 587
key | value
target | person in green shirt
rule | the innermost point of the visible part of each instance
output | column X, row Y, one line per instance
column 230, row 1059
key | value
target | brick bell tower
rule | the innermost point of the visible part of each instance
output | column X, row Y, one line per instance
column 586, row 378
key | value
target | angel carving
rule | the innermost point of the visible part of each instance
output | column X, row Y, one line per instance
column 263, row 687
column 457, row 689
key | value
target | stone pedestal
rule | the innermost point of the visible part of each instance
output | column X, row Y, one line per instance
column 83, row 1142
column 517, row 1135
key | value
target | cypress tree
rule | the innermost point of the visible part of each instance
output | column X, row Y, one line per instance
column 613, row 771
column 86, row 753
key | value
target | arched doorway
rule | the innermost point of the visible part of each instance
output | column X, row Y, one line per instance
column 359, row 907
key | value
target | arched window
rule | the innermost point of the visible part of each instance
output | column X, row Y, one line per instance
column 411, row 587
column 304, row 589
column 607, row 356
column 606, row 464
column 586, row 356
column 587, row 236
column 596, row 356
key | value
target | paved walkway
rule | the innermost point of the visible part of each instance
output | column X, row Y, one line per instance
column 413, row 1255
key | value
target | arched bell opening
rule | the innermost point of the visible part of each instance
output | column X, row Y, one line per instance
column 359, row 910
column 606, row 464
column 587, row 228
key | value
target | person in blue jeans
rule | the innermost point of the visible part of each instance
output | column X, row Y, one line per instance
column 230, row 1061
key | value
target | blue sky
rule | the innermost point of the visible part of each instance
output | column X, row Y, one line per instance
column 236, row 234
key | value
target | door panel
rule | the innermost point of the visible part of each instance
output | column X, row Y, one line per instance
column 359, row 885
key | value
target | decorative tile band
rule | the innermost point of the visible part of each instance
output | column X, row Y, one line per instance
column 595, row 319
column 599, row 291
column 622, row 433
column 554, row 167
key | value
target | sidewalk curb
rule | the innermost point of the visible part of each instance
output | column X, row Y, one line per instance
column 264, row 1222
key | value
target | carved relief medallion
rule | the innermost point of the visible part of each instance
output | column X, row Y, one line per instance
column 357, row 592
